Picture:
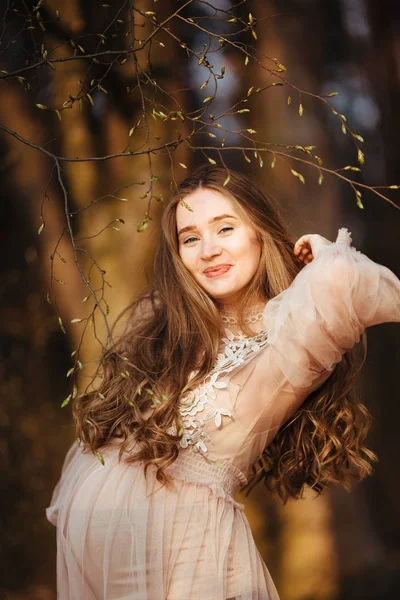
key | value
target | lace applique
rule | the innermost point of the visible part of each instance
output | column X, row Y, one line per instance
column 237, row 349
column 344, row 237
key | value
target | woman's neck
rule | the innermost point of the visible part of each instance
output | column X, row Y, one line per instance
column 251, row 319
column 232, row 310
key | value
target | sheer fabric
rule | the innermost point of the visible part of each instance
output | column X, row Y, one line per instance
column 120, row 535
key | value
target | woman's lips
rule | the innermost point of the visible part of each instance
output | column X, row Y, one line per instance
column 216, row 271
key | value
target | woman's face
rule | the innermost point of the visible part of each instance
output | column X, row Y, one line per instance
column 217, row 245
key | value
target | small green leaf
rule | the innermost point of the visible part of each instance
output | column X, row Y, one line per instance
column 66, row 401
column 76, row 320
column 42, row 107
column 280, row 66
column 100, row 458
column 141, row 227
column 298, row 175
column 185, row 205
column 61, row 325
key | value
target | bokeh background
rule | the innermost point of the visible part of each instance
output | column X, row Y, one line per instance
column 340, row 546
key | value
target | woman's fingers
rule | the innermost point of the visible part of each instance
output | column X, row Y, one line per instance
column 302, row 249
column 302, row 243
column 309, row 246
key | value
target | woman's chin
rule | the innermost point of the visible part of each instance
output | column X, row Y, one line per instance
column 229, row 296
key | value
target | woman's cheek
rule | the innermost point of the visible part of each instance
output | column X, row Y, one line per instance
column 188, row 258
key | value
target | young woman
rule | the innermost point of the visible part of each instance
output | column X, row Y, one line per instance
column 238, row 365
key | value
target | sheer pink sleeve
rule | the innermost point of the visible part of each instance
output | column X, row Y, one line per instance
column 326, row 309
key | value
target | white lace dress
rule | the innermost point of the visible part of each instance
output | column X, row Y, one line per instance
column 120, row 536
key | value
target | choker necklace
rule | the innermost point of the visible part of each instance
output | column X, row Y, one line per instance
column 233, row 320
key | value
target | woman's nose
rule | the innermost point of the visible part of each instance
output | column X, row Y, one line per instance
column 210, row 248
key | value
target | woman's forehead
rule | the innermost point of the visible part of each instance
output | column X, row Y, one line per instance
column 204, row 204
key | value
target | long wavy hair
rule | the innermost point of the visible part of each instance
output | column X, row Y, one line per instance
column 174, row 329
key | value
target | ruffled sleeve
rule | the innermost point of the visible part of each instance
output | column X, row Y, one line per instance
column 326, row 309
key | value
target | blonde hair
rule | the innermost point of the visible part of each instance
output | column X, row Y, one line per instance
column 174, row 329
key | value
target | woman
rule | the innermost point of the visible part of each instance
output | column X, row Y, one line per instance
column 237, row 366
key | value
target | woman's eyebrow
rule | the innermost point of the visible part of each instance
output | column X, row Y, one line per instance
column 213, row 220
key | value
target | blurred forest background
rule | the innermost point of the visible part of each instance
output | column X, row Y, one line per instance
column 75, row 82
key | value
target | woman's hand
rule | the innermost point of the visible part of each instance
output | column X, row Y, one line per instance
column 309, row 246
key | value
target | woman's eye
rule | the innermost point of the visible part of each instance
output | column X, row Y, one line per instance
column 189, row 240
column 192, row 239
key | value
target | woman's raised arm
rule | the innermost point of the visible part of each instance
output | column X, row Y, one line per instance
column 327, row 307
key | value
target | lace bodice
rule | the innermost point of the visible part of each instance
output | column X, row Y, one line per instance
column 236, row 349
